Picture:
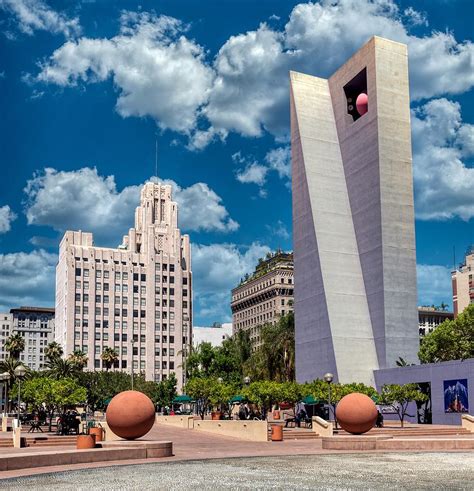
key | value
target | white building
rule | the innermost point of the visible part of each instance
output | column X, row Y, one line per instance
column 36, row 325
column 136, row 299
column 215, row 334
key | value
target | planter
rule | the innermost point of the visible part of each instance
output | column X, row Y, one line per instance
column 276, row 414
column 277, row 433
column 98, row 432
column 215, row 415
column 85, row 441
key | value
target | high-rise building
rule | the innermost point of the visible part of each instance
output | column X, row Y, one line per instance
column 264, row 296
column 463, row 283
column 36, row 325
column 136, row 299
column 353, row 217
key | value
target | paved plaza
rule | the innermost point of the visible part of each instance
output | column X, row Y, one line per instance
column 354, row 471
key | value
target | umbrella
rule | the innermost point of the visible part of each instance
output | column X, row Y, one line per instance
column 183, row 399
column 310, row 400
column 237, row 399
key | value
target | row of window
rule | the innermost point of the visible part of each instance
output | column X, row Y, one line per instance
column 261, row 286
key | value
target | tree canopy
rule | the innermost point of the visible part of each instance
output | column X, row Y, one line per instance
column 451, row 340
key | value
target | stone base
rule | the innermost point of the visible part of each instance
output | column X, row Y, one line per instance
column 154, row 449
column 355, row 442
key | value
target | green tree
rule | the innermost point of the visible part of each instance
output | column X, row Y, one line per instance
column 78, row 358
column 264, row 393
column 205, row 391
column 15, row 344
column 275, row 358
column 53, row 395
column 109, row 357
column 59, row 368
column 166, row 391
column 451, row 340
column 399, row 397
column 53, row 351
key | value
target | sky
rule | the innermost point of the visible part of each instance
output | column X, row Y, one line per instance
column 87, row 88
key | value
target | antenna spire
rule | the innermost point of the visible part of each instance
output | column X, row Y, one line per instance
column 156, row 156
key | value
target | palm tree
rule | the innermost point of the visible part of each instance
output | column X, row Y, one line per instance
column 53, row 350
column 109, row 356
column 15, row 344
column 60, row 368
column 78, row 358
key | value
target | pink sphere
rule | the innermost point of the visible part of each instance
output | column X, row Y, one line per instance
column 362, row 103
column 356, row 413
column 130, row 414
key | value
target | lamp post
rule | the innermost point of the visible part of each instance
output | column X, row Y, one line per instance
column 4, row 377
column 133, row 343
column 247, row 380
column 19, row 373
column 328, row 378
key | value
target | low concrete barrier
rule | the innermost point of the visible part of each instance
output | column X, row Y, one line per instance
column 322, row 427
column 186, row 422
column 467, row 421
column 255, row 431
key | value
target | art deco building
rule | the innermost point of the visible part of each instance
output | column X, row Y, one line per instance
column 36, row 325
column 463, row 283
column 353, row 217
column 136, row 299
column 265, row 296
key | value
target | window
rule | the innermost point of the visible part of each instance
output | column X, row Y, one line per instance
column 171, row 268
column 106, row 274
column 171, row 339
column 142, row 302
column 135, row 350
column 124, row 325
column 78, row 271
column 124, row 337
column 97, row 350
column 85, row 297
column 98, row 311
column 124, row 363
column 78, row 284
column 106, row 336
column 125, row 300
column 171, row 365
column 124, row 312
column 135, row 313
column 124, row 350
column 171, row 279
column 142, row 365
column 142, row 338
column 78, row 297
column 98, row 286
column 97, row 298
column 142, row 351
column 143, row 277
column 135, row 276
column 96, row 363
column 106, row 299
column 86, row 273
column 86, row 285
column 97, row 336
column 164, row 365
column 143, row 290
column 116, row 298
column 116, row 336
column 117, row 275
column 98, row 274
column 124, row 276
column 135, row 288
column 106, row 287
column 185, row 304
column 125, row 288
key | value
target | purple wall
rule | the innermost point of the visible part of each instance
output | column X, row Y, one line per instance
column 436, row 374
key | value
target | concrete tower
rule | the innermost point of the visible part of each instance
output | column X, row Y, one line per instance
column 353, row 217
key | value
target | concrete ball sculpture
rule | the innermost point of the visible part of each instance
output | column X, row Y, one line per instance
column 356, row 413
column 130, row 414
column 362, row 103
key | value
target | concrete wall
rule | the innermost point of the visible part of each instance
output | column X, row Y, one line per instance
column 255, row 431
column 436, row 374
column 186, row 422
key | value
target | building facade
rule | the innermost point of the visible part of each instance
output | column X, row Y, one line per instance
column 265, row 296
column 429, row 318
column 136, row 299
column 463, row 283
column 36, row 325
column 353, row 217
column 215, row 334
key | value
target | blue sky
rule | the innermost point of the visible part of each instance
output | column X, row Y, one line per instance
column 86, row 86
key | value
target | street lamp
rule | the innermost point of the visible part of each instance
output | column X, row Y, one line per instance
column 5, row 377
column 247, row 380
column 133, row 343
column 328, row 378
column 19, row 373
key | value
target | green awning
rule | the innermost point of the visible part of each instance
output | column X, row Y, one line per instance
column 183, row 399
column 107, row 401
column 375, row 398
column 236, row 399
column 310, row 400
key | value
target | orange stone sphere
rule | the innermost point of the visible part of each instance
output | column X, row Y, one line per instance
column 362, row 103
column 356, row 413
column 130, row 414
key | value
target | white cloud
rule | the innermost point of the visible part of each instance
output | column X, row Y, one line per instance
column 27, row 279
column 253, row 173
column 6, row 218
column 279, row 159
column 157, row 71
column 444, row 184
column 279, row 230
column 217, row 268
column 245, row 88
column 36, row 15
column 84, row 200
column 434, row 284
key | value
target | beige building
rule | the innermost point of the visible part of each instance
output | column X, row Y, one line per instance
column 265, row 296
column 136, row 299
column 463, row 283
column 429, row 318
column 36, row 325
